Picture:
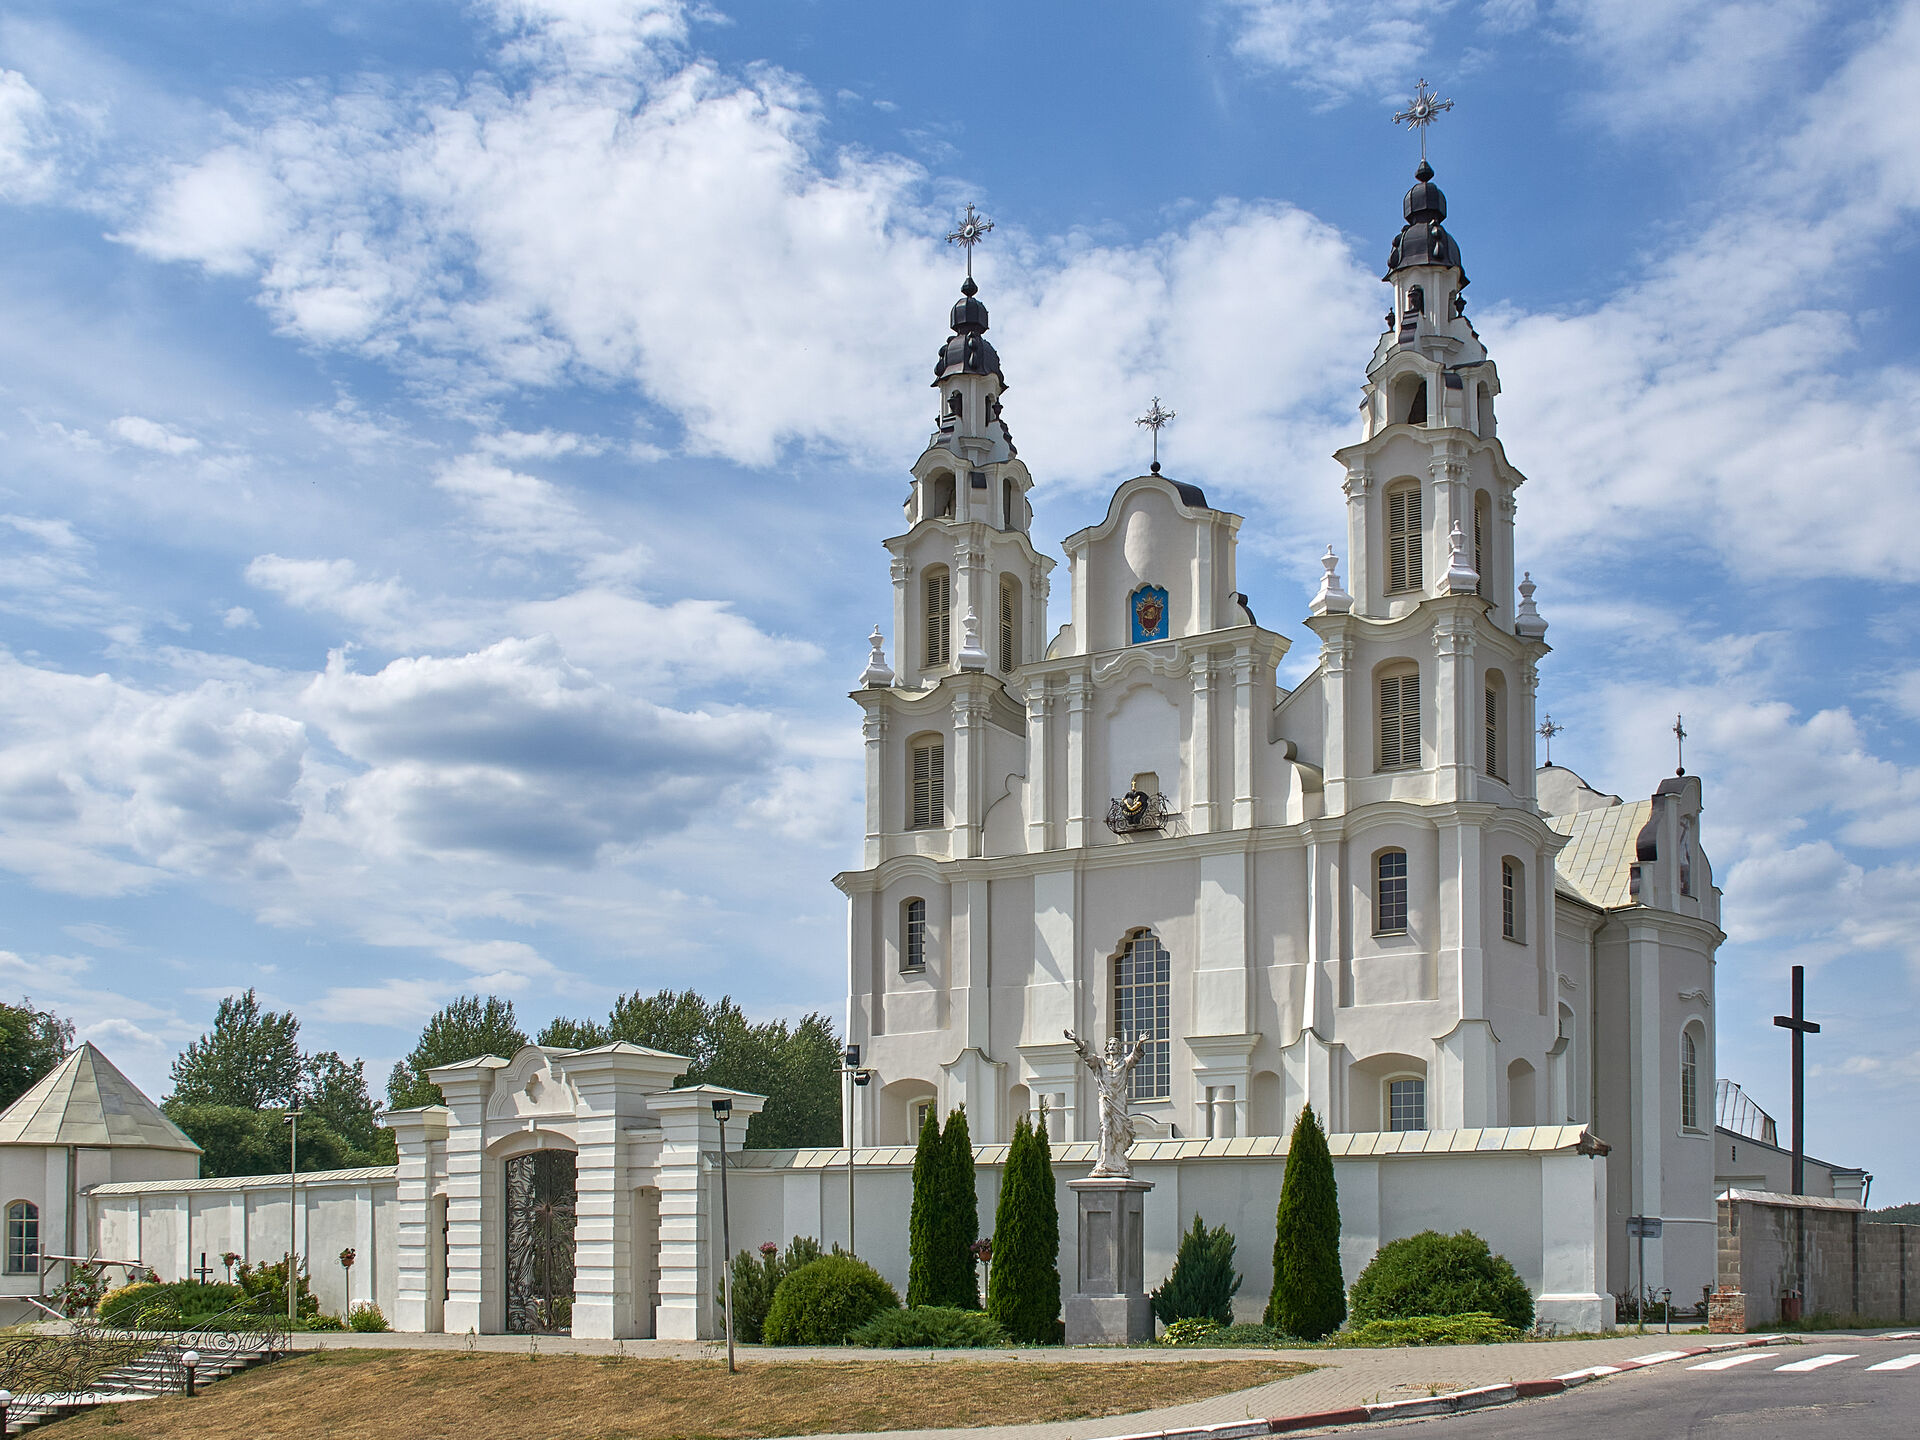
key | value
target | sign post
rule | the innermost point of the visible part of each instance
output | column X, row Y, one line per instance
column 1642, row 1228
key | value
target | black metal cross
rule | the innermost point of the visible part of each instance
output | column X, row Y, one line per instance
column 205, row 1269
column 1801, row 1028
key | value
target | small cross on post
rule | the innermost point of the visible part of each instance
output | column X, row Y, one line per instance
column 1154, row 419
column 971, row 230
column 1422, row 111
column 1680, row 746
column 1801, row 1028
column 1546, row 732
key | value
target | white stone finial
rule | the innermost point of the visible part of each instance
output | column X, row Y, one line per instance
column 1527, row 623
column 878, row 675
column 1332, row 599
column 1462, row 578
column 972, row 657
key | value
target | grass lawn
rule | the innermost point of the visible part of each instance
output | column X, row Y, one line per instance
column 426, row 1395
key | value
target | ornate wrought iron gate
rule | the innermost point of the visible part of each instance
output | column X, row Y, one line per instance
column 540, row 1208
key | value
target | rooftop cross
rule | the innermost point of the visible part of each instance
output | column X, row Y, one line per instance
column 1153, row 420
column 972, row 229
column 1422, row 111
column 1680, row 746
column 1546, row 732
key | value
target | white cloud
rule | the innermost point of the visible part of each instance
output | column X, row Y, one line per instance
column 27, row 141
column 152, row 435
column 517, row 512
column 333, row 587
column 1338, row 48
column 239, row 617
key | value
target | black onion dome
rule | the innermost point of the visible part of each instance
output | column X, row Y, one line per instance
column 1425, row 240
column 967, row 351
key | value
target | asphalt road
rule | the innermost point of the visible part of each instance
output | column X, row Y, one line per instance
column 1841, row 1400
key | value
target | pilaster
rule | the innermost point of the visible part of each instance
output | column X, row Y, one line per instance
column 1079, row 694
column 1039, row 765
column 415, row 1134
column 690, row 1216
column 1243, row 800
column 1201, row 806
column 873, row 731
column 1359, row 492
column 1454, row 687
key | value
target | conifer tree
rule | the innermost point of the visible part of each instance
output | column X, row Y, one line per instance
column 1023, row 1288
column 1309, row 1299
column 923, row 1225
column 961, row 1211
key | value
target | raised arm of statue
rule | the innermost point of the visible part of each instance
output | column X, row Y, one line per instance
column 1088, row 1054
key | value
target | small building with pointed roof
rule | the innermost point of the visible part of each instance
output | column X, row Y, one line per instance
column 83, row 1124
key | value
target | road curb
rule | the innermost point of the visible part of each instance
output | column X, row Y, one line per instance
column 1480, row 1397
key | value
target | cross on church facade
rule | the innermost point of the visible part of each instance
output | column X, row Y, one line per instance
column 1546, row 732
column 1422, row 111
column 1154, row 419
column 1801, row 1028
column 971, row 230
column 1680, row 746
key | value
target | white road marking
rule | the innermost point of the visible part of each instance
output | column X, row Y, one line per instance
column 1812, row 1362
column 1727, row 1362
column 1658, row 1357
column 1592, row 1372
column 1900, row 1335
column 1905, row 1362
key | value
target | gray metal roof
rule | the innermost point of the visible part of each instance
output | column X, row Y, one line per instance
column 309, row 1180
column 1597, row 863
column 85, row 1101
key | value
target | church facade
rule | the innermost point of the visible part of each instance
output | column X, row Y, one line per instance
column 1357, row 893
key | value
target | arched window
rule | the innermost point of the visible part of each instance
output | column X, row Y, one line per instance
column 1009, row 504
column 1482, row 528
column 1494, row 700
column 1483, row 407
column 1416, row 299
column 1399, row 720
column 1689, row 1081
column 1009, row 627
column 940, row 497
column 1142, row 1005
column 957, row 405
column 1417, row 411
column 913, row 935
column 1403, row 540
column 939, row 592
column 927, row 807
column 1513, row 899
column 1407, row 1103
column 23, row 1238
column 1390, row 892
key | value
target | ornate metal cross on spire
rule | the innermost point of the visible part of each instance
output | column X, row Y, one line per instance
column 1546, row 732
column 1422, row 111
column 1680, row 746
column 1153, row 420
column 972, row 229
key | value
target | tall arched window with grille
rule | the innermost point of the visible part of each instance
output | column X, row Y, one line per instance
column 1403, row 539
column 1142, row 1005
column 1493, row 701
column 23, row 1238
column 1009, row 627
column 913, row 935
column 1513, row 899
column 1399, row 693
column 1689, row 1081
column 939, row 596
column 927, row 799
column 1390, row 892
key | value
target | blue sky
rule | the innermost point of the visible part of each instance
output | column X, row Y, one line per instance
column 446, row 448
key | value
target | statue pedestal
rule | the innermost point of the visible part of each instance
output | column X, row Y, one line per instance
column 1110, row 1305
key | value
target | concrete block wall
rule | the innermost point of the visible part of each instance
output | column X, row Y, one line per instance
column 1825, row 1251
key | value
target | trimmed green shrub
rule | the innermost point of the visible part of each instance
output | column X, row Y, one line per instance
column 324, row 1323
column 174, row 1305
column 961, row 1212
column 1193, row 1330
column 924, row 1227
column 929, row 1327
column 1309, row 1294
column 1435, row 1274
column 1023, row 1288
column 1475, row 1329
column 266, row 1287
column 756, row 1277
column 365, row 1319
column 826, row 1300
column 1203, row 1281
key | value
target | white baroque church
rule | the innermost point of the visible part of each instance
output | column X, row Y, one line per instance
column 1358, row 893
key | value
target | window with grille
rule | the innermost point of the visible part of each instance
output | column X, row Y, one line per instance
column 1009, row 631
column 23, row 1238
column 1399, row 721
column 1390, row 892
column 1403, row 540
column 1689, row 1082
column 913, row 935
column 1142, row 1005
column 1010, row 504
column 1510, row 895
column 939, row 618
column 1407, row 1104
column 929, row 803
column 1493, row 730
column 1480, row 528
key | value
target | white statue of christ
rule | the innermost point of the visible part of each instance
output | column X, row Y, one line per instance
column 1113, row 1072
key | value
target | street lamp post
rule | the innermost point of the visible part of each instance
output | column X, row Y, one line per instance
column 722, row 1111
column 857, row 1078
column 6, row 1399
column 292, row 1118
column 192, row 1361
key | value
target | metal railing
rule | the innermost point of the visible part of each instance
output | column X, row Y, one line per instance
column 71, row 1362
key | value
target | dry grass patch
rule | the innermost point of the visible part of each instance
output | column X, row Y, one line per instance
column 433, row 1395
